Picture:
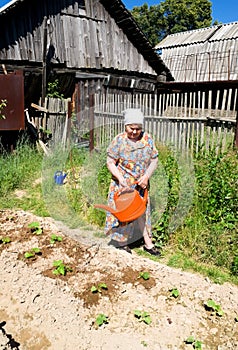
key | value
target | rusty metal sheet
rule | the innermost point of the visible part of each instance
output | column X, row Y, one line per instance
column 12, row 90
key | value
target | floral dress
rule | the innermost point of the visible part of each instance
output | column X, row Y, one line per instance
column 132, row 160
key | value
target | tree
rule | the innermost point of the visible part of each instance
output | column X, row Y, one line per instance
column 172, row 16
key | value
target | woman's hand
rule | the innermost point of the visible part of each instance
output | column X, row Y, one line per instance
column 111, row 165
column 122, row 182
column 143, row 181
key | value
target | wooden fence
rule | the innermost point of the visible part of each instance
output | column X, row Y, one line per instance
column 51, row 116
column 179, row 133
column 185, row 120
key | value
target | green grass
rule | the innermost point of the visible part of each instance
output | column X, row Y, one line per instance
column 20, row 171
column 205, row 242
column 215, row 274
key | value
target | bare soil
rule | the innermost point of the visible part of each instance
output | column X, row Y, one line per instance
column 40, row 310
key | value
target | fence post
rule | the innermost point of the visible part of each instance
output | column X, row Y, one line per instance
column 91, row 115
column 44, row 78
column 236, row 132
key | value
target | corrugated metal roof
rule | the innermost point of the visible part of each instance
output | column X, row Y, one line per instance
column 208, row 54
column 219, row 32
column 226, row 31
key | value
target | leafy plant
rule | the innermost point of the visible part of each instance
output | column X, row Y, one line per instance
column 145, row 275
column 143, row 316
column 174, row 292
column 53, row 90
column 35, row 228
column 211, row 305
column 61, row 268
column 3, row 104
column 144, row 343
column 32, row 253
column 54, row 238
column 161, row 231
column 98, row 288
column 101, row 319
column 208, row 234
column 5, row 240
column 197, row 344
column 234, row 266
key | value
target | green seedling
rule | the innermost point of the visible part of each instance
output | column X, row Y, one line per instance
column 145, row 275
column 143, row 316
column 212, row 306
column 236, row 319
column 54, row 238
column 98, row 288
column 101, row 319
column 5, row 240
column 144, row 343
column 61, row 268
column 32, row 253
column 197, row 344
column 174, row 292
column 35, row 228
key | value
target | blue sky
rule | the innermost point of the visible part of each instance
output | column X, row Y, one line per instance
column 224, row 11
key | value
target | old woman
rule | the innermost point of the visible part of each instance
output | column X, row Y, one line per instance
column 131, row 158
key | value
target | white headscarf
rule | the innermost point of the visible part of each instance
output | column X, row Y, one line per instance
column 133, row 116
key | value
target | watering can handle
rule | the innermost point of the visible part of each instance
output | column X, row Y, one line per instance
column 145, row 198
column 117, row 194
column 120, row 191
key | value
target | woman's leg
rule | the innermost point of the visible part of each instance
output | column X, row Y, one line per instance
column 147, row 239
column 145, row 224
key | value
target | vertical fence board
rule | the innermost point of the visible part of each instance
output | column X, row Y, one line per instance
column 223, row 103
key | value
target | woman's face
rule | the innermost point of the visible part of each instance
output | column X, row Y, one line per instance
column 133, row 131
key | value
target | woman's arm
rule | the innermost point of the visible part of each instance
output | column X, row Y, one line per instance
column 111, row 165
column 152, row 167
column 143, row 181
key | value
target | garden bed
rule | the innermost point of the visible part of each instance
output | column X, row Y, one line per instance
column 106, row 299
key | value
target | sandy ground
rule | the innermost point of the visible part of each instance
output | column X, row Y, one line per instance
column 40, row 310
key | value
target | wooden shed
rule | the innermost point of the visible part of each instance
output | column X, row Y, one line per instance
column 88, row 45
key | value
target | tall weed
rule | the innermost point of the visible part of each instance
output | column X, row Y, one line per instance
column 209, row 232
column 19, row 168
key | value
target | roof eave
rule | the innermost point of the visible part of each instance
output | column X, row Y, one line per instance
column 130, row 27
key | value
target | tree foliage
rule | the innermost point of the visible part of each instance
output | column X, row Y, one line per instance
column 172, row 16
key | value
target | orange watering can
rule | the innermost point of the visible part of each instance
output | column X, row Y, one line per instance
column 129, row 205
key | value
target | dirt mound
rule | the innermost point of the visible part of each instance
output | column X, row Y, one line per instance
column 77, row 292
